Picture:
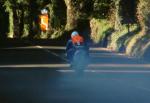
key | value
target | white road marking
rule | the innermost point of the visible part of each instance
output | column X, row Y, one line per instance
column 66, row 68
column 60, row 48
column 119, row 65
column 53, row 53
column 36, row 66
column 119, row 71
column 90, row 66
column 34, row 47
column 108, row 71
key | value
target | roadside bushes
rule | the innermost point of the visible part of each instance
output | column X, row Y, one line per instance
column 98, row 30
column 142, row 39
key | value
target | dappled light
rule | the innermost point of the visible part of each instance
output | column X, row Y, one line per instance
column 110, row 24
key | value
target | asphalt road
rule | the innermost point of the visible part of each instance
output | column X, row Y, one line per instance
column 39, row 74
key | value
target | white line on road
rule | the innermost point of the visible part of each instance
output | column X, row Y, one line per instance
column 119, row 65
column 56, row 48
column 108, row 71
column 66, row 68
column 35, row 66
column 53, row 53
column 90, row 66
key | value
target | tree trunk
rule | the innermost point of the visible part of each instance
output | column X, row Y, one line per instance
column 17, row 22
column 117, row 15
column 11, row 24
column 72, row 16
column 26, row 23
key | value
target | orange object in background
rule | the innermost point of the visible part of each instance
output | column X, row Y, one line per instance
column 44, row 22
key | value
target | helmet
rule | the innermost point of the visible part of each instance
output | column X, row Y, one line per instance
column 44, row 11
column 74, row 33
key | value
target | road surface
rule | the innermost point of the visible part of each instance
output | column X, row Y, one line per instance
column 40, row 74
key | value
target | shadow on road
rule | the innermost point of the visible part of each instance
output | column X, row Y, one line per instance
column 26, row 85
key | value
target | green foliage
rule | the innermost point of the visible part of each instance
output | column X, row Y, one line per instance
column 137, row 45
column 8, row 6
column 26, row 13
column 122, row 37
column 144, row 13
column 57, row 33
column 57, row 14
column 98, row 29
column 101, row 8
column 67, row 15
column 55, row 21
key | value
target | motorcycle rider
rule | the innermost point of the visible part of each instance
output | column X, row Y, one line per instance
column 76, row 40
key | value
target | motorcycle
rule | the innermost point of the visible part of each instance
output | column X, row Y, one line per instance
column 80, row 58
